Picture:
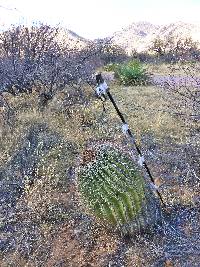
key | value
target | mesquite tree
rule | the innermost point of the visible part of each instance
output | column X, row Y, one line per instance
column 173, row 49
column 35, row 57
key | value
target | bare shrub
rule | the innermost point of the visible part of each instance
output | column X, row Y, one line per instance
column 185, row 90
column 173, row 49
column 182, row 101
column 35, row 57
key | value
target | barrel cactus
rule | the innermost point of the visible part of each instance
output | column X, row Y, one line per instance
column 114, row 190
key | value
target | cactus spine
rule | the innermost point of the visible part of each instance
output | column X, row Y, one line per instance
column 111, row 186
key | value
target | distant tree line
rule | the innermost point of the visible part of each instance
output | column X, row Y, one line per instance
column 173, row 49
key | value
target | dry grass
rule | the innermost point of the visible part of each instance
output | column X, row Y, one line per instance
column 145, row 109
column 52, row 201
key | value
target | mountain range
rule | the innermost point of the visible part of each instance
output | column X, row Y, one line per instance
column 140, row 35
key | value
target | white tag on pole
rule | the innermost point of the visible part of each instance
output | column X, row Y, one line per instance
column 101, row 89
column 98, row 91
column 141, row 160
column 125, row 128
column 103, row 86
column 154, row 187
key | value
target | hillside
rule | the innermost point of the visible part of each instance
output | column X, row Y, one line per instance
column 139, row 36
column 64, row 35
column 71, row 38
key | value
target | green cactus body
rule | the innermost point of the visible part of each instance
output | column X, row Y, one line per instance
column 111, row 187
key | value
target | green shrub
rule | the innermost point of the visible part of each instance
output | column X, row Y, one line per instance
column 113, row 189
column 132, row 73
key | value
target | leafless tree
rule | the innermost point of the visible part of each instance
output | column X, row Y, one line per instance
column 184, row 89
column 33, row 57
column 173, row 49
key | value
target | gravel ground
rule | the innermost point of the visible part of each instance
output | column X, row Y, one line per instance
column 172, row 80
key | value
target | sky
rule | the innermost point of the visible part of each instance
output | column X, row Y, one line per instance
column 95, row 19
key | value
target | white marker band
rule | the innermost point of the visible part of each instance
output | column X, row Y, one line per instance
column 141, row 160
column 125, row 128
column 155, row 187
column 101, row 89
